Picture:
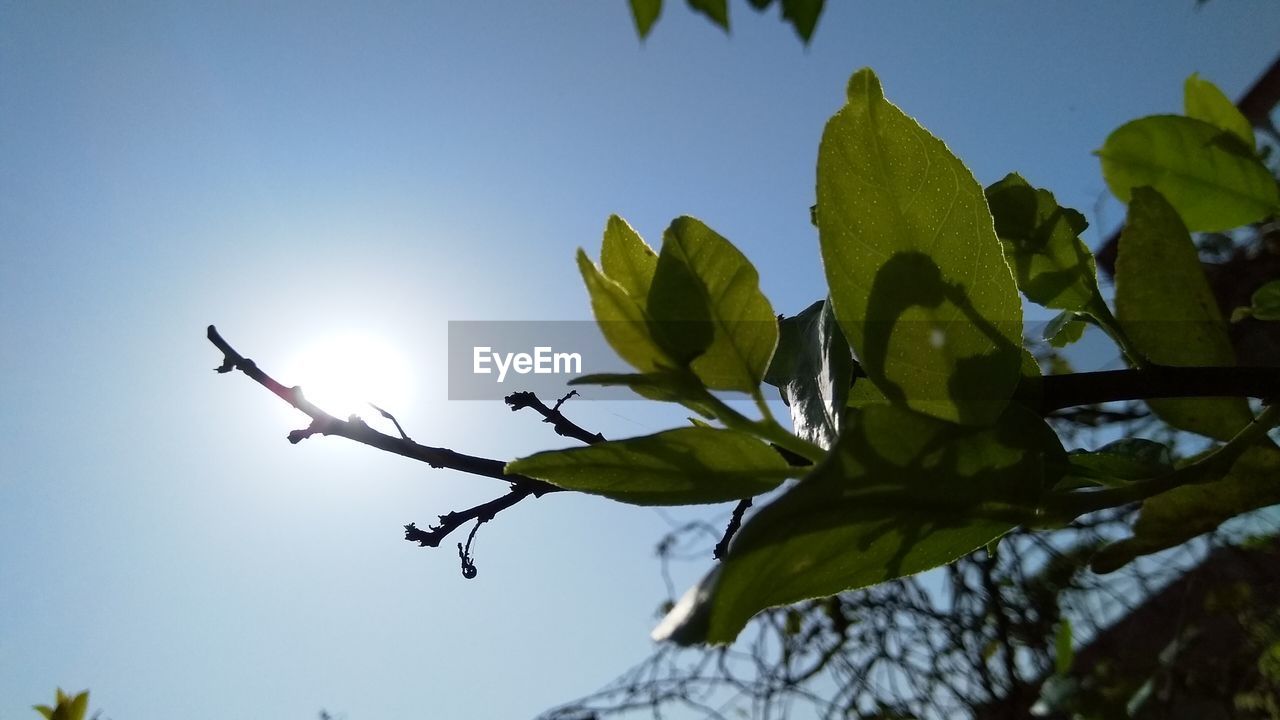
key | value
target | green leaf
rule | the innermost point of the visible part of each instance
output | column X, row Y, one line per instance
column 901, row 493
column 1265, row 304
column 813, row 369
column 1041, row 240
column 79, row 706
column 622, row 320
column 1125, row 460
column 1204, row 101
column 684, row 466
column 1064, row 651
column 697, row 269
column 44, row 710
column 1065, row 328
column 917, row 276
column 627, row 259
column 1165, row 306
column 679, row 386
column 678, row 307
column 645, row 13
column 864, row 393
column 1212, row 184
column 803, row 16
column 1174, row 517
column 716, row 10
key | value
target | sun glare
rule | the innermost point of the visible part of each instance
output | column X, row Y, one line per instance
column 344, row 372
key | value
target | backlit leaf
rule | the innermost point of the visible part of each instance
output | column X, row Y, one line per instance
column 678, row 467
column 917, row 276
column 1165, row 306
column 1213, row 185
column 901, row 493
column 803, row 16
column 79, row 706
column 717, row 10
column 679, row 308
column 744, row 328
column 1065, row 328
column 622, row 320
column 678, row 386
column 627, row 259
column 1174, row 517
column 645, row 13
column 1203, row 100
column 1041, row 240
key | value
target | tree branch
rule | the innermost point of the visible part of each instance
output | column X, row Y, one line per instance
column 356, row 429
column 1157, row 381
column 481, row 513
column 735, row 522
column 562, row 425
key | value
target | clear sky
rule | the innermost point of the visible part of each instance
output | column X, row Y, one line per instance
column 296, row 171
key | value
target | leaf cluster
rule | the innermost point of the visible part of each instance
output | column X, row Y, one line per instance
column 916, row 432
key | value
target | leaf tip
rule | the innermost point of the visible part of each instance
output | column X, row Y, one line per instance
column 864, row 83
column 689, row 621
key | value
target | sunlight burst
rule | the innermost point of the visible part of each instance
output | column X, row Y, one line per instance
column 344, row 372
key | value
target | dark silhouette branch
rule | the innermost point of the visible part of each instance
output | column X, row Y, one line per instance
column 735, row 522
column 354, row 428
column 1157, row 381
column 482, row 513
column 562, row 425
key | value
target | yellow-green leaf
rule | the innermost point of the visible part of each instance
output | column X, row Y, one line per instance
column 621, row 319
column 1203, row 100
column 1198, row 167
column 743, row 328
column 645, row 13
column 1165, row 306
column 917, row 276
column 684, row 466
column 627, row 259
column 1041, row 240
column 716, row 10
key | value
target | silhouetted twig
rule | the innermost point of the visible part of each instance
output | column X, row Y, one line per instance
column 562, row 425
column 354, row 428
column 735, row 522
column 483, row 512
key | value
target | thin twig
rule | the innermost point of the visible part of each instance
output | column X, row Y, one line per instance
column 735, row 522
column 393, row 420
column 354, row 428
column 562, row 425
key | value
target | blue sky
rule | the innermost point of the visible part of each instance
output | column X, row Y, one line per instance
column 292, row 171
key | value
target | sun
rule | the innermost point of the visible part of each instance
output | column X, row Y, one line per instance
column 345, row 371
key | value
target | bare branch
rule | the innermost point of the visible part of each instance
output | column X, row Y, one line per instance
column 353, row 428
column 562, row 425
column 735, row 522
column 483, row 513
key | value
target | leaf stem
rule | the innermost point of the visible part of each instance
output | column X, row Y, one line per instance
column 766, row 429
column 1101, row 315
